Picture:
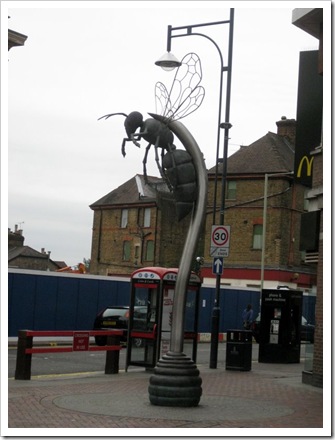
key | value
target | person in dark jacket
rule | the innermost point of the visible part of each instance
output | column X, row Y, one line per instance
column 247, row 316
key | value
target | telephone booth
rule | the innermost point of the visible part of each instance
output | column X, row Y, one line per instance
column 150, row 320
column 280, row 326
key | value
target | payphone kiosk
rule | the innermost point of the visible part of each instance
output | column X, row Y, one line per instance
column 279, row 338
column 150, row 317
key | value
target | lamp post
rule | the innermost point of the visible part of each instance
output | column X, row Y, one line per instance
column 265, row 207
column 169, row 62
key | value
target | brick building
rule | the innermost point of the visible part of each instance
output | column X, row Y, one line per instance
column 24, row 257
column 133, row 228
column 273, row 154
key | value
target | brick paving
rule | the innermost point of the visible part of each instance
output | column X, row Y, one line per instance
column 268, row 396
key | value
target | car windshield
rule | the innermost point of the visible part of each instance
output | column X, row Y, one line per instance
column 114, row 312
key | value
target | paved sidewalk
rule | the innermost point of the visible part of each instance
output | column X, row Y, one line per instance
column 268, row 396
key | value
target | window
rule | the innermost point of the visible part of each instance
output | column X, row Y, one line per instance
column 137, row 252
column 147, row 217
column 124, row 218
column 149, row 256
column 126, row 251
column 257, row 237
column 231, row 189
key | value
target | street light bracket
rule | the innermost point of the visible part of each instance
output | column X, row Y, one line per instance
column 188, row 31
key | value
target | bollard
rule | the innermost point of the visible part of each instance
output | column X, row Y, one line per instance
column 112, row 356
column 23, row 360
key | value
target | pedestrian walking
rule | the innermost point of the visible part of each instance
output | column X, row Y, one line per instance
column 247, row 317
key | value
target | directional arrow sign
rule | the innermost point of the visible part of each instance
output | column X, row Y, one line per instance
column 217, row 267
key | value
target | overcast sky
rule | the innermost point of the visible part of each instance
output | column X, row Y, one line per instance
column 82, row 60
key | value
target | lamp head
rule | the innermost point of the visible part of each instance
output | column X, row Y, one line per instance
column 168, row 62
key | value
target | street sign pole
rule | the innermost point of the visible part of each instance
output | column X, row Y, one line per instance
column 215, row 325
column 219, row 247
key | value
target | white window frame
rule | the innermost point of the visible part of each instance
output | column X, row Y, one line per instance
column 231, row 190
column 147, row 218
column 150, row 250
column 257, row 237
column 124, row 218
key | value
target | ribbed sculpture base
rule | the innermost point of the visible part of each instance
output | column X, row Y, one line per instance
column 176, row 381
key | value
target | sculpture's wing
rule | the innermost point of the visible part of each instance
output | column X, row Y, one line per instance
column 162, row 99
column 186, row 95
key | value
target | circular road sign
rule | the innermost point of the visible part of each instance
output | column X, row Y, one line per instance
column 220, row 236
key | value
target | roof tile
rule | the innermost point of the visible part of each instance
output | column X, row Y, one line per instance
column 133, row 191
column 271, row 153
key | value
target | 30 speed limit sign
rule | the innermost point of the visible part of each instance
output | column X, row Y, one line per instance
column 220, row 238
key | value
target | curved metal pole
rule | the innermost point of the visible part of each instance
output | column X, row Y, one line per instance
column 178, row 314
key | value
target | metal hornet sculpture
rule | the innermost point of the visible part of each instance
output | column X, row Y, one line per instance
column 176, row 380
column 175, row 165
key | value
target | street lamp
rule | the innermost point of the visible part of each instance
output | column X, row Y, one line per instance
column 265, row 207
column 169, row 62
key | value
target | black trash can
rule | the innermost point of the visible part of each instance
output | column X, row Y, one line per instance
column 239, row 350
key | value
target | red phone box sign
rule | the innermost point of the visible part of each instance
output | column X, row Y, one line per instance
column 80, row 341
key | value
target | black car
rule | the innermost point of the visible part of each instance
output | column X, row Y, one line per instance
column 306, row 331
column 117, row 317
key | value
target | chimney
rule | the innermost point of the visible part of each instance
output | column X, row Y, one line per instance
column 287, row 127
column 15, row 239
column 18, row 231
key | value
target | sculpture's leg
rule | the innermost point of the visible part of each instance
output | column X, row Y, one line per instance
column 145, row 163
column 123, row 147
column 134, row 138
column 157, row 158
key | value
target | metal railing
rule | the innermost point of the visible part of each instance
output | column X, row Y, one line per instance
column 80, row 342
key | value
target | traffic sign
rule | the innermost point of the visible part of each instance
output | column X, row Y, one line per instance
column 217, row 267
column 80, row 341
column 220, row 236
column 218, row 252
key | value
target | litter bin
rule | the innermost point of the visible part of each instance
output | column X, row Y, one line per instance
column 239, row 350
